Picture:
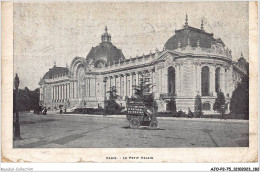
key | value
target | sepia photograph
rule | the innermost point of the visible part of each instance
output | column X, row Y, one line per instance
column 131, row 75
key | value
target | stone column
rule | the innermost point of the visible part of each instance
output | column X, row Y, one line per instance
column 222, row 80
column 119, row 85
column 137, row 78
column 73, row 89
column 225, row 82
column 110, row 82
column 63, row 87
column 165, row 80
column 62, row 92
column 161, row 80
column 56, row 93
column 193, row 74
column 51, row 92
column 76, row 89
column 59, row 92
column 116, row 84
column 115, row 81
column 214, row 80
column 229, row 81
column 198, row 78
column 152, row 80
column 180, row 80
column 176, row 79
column 105, row 89
column 59, row 89
column 158, row 81
column 125, row 85
column 69, row 90
column 95, row 86
column 130, row 86
column 211, row 80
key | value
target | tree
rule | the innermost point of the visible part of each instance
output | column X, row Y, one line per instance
column 198, row 106
column 111, row 105
column 220, row 103
column 239, row 103
column 143, row 92
column 27, row 100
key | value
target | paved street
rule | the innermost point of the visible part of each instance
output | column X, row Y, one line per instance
column 85, row 131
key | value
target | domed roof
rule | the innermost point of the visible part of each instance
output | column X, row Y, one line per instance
column 105, row 53
column 55, row 72
column 191, row 35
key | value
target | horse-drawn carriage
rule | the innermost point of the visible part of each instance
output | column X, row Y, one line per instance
column 138, row 115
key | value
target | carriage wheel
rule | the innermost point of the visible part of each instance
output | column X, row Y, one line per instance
column 134, row 123
column 153, row 124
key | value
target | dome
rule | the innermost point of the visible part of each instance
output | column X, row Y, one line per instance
column 55, row 72
column 105, row 53
column 191, row 35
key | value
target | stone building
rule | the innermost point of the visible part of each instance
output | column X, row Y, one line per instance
column 192, row 63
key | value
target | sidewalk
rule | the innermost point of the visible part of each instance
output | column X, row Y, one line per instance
column 163, row 118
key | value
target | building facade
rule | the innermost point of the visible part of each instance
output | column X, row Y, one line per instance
column 192, row 63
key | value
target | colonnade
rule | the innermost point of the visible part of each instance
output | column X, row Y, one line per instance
column 64, row 91
column 125, row 82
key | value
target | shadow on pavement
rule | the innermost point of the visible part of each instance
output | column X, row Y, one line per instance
column 144, row 128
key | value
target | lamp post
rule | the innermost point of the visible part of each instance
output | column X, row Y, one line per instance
column 15, row 110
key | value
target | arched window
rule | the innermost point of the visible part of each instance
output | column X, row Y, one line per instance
column 217, row 79
column 206, row 106
column 171, row 80
column 205, row 81
column 81, row 82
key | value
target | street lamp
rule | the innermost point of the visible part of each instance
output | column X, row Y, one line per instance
column 15, row 109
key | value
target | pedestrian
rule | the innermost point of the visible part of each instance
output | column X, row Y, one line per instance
column 60, row 110
column 45, row 111
column 190, row 114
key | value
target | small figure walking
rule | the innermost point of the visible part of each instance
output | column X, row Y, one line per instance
column 190, row 114
column 45, row 111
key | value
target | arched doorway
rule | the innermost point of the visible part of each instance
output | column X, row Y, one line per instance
column 171, row 105
column 217, row 79
column 81, row 83
column 205, row 81
column 171, row 80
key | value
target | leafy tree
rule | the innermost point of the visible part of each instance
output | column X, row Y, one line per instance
column 143, row 92
column 111, row 105
column 27, row 99
column 239, row 103
column 198, row 106
column 220, row 103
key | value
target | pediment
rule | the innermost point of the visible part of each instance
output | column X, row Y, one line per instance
column 167, row 56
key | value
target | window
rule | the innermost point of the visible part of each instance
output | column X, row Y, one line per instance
column 171, row 80
column 205, row 81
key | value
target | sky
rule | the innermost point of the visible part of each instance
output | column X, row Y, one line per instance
column 49, row 32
